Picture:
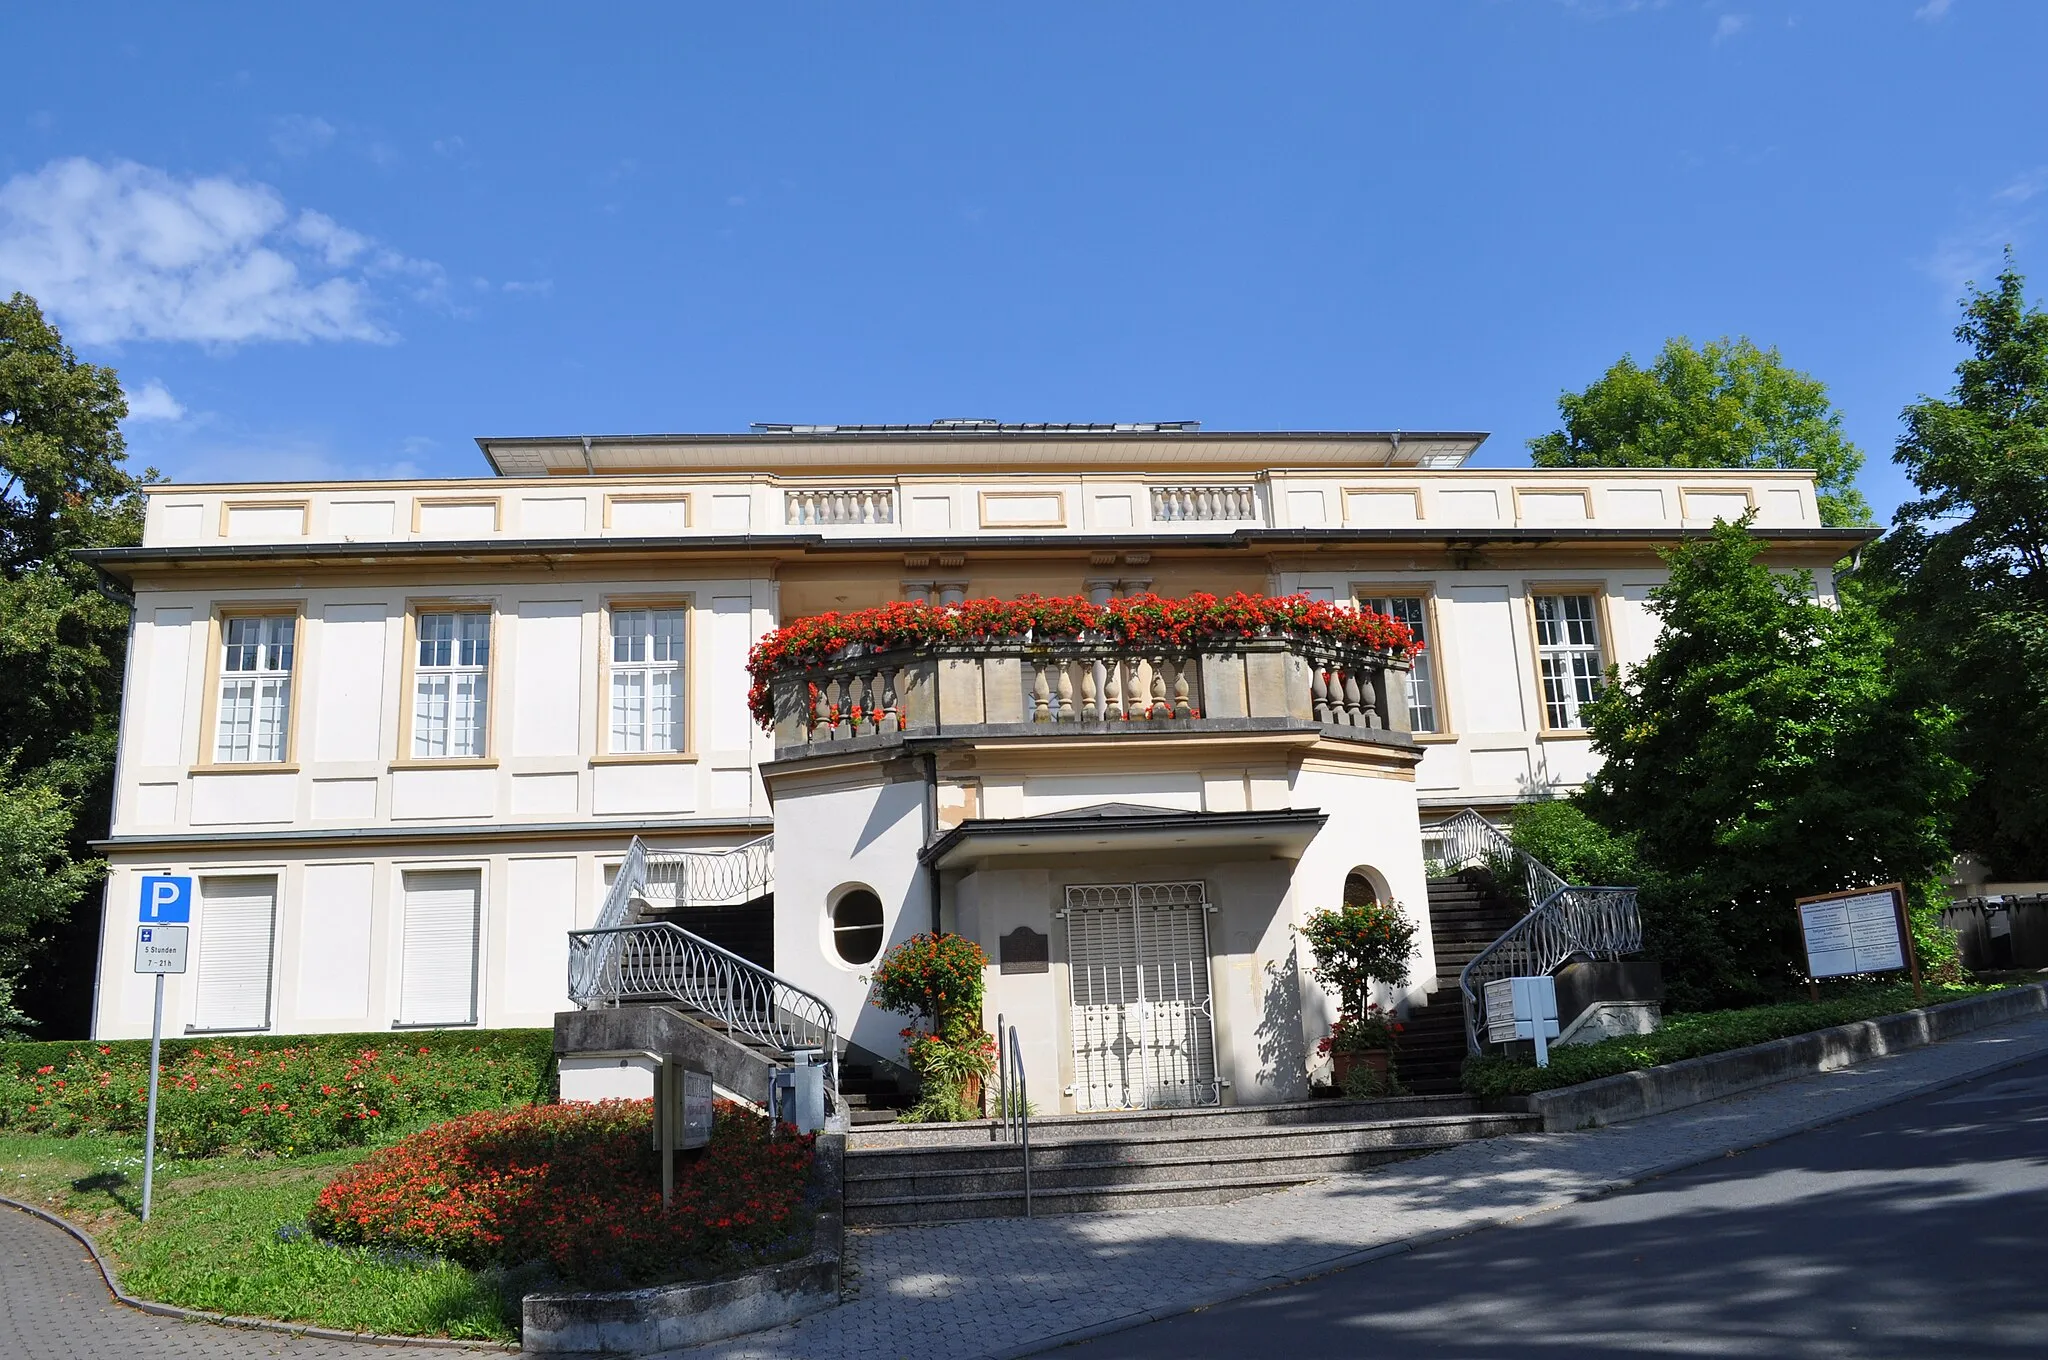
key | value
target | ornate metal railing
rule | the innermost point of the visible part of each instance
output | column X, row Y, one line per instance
column 623, row 958
column 660, row 961
column 1564, row 921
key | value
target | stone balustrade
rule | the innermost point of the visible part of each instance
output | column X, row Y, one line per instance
column 1206, row 504
column 1074, row 686
column 839, row 505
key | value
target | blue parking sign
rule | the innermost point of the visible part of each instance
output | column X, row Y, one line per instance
column 166, row 900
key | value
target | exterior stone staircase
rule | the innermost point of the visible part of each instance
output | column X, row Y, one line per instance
column 1138, row 1159
column 1467, row 912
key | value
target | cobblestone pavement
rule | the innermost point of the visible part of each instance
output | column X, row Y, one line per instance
column 1008, row 1287
column 55, row 1306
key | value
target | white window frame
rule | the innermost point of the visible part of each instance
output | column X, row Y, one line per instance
column 1571, row 666
column 451, row 715
column 253, row 689
column 636, row 669
column 1423, row 694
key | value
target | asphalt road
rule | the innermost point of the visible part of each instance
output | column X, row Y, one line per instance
column 1919, row 1230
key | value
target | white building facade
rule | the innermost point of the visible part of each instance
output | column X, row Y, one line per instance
column 400, row 732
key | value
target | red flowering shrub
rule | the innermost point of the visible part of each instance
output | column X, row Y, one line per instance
column 1182, row 623
column 579, row 1187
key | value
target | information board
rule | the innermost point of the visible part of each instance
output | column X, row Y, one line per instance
column 1863, row 931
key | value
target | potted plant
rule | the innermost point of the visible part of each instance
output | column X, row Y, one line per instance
column 937, row 980
column 1362, row 1043
column 1356, row 945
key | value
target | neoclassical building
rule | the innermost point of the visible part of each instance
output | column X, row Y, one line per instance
column 402, row 734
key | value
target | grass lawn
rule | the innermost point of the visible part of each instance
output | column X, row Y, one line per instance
column 1697, row 1034
column 213, row 1241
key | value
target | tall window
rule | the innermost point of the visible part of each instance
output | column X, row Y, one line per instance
column 1411, row 610
column 255, row 688
column 451, row 680
column 1568, row 657
column 647, row 680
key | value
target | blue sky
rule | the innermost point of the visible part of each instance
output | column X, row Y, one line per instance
column 342, row 241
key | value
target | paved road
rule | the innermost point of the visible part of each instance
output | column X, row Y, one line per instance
column 54, row 1306
column 1919, row 1230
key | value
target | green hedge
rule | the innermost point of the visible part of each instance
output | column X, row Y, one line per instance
column 1698, row 1034
column 279, row 1095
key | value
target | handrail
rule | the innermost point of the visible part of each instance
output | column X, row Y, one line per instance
column 661, row 960
column 718, row 878
column 1013, row 1108
column 1564, row 920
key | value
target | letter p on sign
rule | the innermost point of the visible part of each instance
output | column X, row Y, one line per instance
column 166, row 900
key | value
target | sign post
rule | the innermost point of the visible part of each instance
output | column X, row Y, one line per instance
column 161, row 947
column 1863, row 930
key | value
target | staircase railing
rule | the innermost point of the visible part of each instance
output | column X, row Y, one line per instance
column 1564, row 921
column 620, row 959
column 1013, row 1100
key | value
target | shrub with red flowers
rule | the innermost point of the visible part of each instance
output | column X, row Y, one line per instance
column 937, row 980
column 309, row 1096
column 1141, row 619
column 578, row 1187
column 1357, row 944
column 1370, row 1029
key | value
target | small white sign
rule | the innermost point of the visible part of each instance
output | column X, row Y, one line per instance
column 161, row 949
column 1853, row 933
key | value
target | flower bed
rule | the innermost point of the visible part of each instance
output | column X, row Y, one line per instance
column 284, row 1098
column 578, row 1186
column 1141, row 619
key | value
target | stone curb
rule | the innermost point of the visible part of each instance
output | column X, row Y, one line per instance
column 1629, row 1096
column 1346, row 1260
column 229, row 1319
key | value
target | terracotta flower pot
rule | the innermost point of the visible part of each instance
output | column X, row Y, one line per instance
column 1345, row 1063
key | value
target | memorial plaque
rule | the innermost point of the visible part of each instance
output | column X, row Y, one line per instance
column 1024, row 950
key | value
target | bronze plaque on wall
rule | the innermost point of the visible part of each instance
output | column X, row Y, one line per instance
column 1024, row 950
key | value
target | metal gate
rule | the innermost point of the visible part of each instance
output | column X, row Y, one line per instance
column 1138, row 969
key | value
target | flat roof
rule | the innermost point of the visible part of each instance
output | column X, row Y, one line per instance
column 1159, row 445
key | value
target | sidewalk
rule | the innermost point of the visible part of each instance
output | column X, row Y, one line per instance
column 1008, row 1287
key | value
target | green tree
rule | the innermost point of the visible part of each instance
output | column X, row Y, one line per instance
column 1964, row 572
column 1726, row 405
column 1764, row 751
column 64, row 484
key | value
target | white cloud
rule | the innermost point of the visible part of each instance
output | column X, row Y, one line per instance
column 153, row 401
column 297, row 134
column 1728, row 25
column 127, row 252
column 1934, row 11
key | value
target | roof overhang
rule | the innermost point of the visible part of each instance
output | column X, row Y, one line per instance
column 1282, row 833
column 122, row 563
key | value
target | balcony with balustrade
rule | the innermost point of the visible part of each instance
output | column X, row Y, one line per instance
column 1091, row 685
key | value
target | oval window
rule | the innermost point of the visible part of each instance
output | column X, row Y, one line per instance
column 857, row 926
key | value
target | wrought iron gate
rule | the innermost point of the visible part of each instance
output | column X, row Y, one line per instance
column 1138, row 969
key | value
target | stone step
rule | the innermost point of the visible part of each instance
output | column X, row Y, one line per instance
column 1158, row 1123
column 934, row 1185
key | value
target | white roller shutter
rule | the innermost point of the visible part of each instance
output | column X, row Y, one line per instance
column 437, row 983
column 236, row 919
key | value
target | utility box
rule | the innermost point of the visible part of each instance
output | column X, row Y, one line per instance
column 1523, row 1008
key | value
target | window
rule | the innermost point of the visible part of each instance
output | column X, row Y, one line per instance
column 255, row 688
column 437, row 970
column 1413, row 610
column 451, row 679
column 647, row 680
column 857, row 926
column 236, row 919
column 1568, row 658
